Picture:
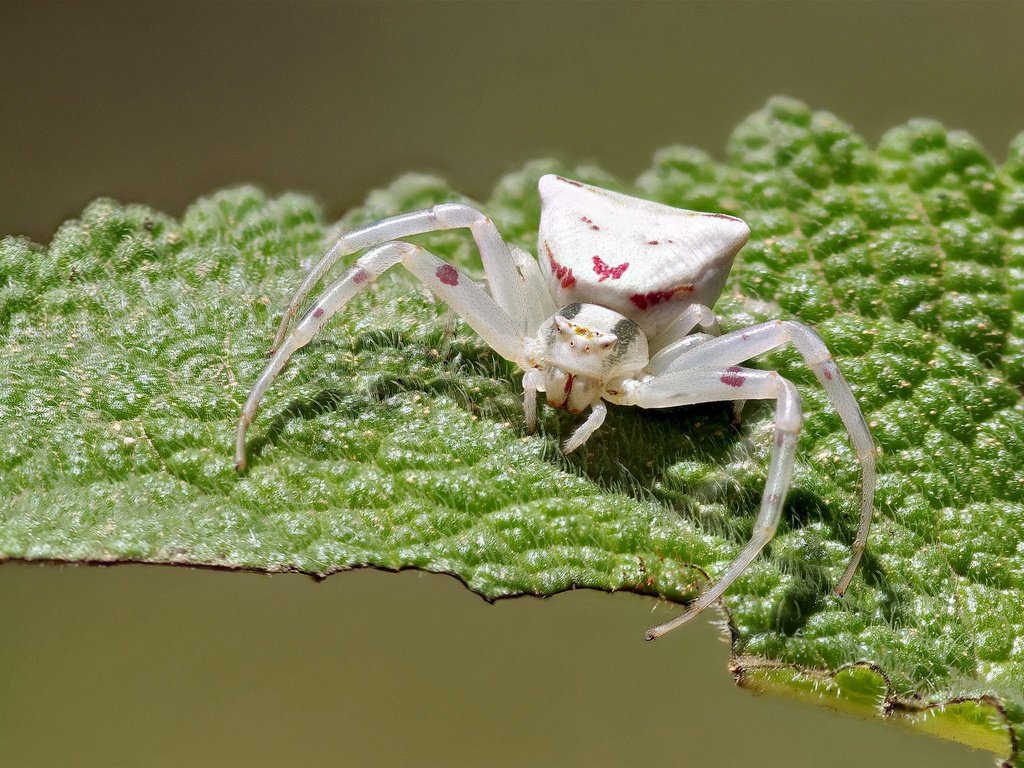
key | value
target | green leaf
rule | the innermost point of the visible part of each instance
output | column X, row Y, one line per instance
column 395, row 440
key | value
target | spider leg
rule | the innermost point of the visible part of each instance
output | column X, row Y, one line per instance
column 531, row 386
column 691, row 317
column 679, row 338
column 708, row 385
column 664, row 360
column 744, row 344
column 513, row 276
column 582, row 433
column 467, row 298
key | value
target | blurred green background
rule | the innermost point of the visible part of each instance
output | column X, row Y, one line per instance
column 163, row 102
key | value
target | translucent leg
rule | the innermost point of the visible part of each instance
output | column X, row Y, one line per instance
column 744, row 344
column 693, row 316
column 512, row 275
column 700, row 386
column 451, row 285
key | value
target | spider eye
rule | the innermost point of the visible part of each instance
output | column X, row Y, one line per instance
column 563, row 325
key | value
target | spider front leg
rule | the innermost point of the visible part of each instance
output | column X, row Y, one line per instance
column 744, row 344
column 688, row 387
column 451, row 285
column 512, row 275
column 679, row 338
column 675, row 339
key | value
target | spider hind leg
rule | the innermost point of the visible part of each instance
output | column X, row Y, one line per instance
column 710, row 385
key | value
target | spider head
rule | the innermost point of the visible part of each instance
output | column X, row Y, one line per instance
column 584, row 345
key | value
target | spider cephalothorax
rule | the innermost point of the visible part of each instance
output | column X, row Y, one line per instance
column 582, row 347
column 609, row 311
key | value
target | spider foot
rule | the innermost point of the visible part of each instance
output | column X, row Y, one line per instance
column 655, row 632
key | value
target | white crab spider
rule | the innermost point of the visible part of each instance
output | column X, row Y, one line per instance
column 606, row 313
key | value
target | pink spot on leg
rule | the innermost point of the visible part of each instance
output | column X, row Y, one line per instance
column 733, row 378
column 359, row 276
column 827, row 370
column 448, row 274
column 318, row 312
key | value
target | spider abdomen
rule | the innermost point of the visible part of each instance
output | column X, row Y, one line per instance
column 642, row 259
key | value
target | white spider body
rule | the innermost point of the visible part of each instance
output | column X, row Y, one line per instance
column 607, row 312
column 645, row 260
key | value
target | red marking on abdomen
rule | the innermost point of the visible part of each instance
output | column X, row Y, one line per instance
column 593, row 226
column 563, row 274
column 605, row 271
column 359, row 275
column 646, row 300
column 732, row 378
column 568, row 383
column 652, row 242
column 448, row 274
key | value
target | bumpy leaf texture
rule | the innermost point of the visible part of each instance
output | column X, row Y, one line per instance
column 395, row 440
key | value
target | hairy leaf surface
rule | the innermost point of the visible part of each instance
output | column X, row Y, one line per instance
column 396, row 440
